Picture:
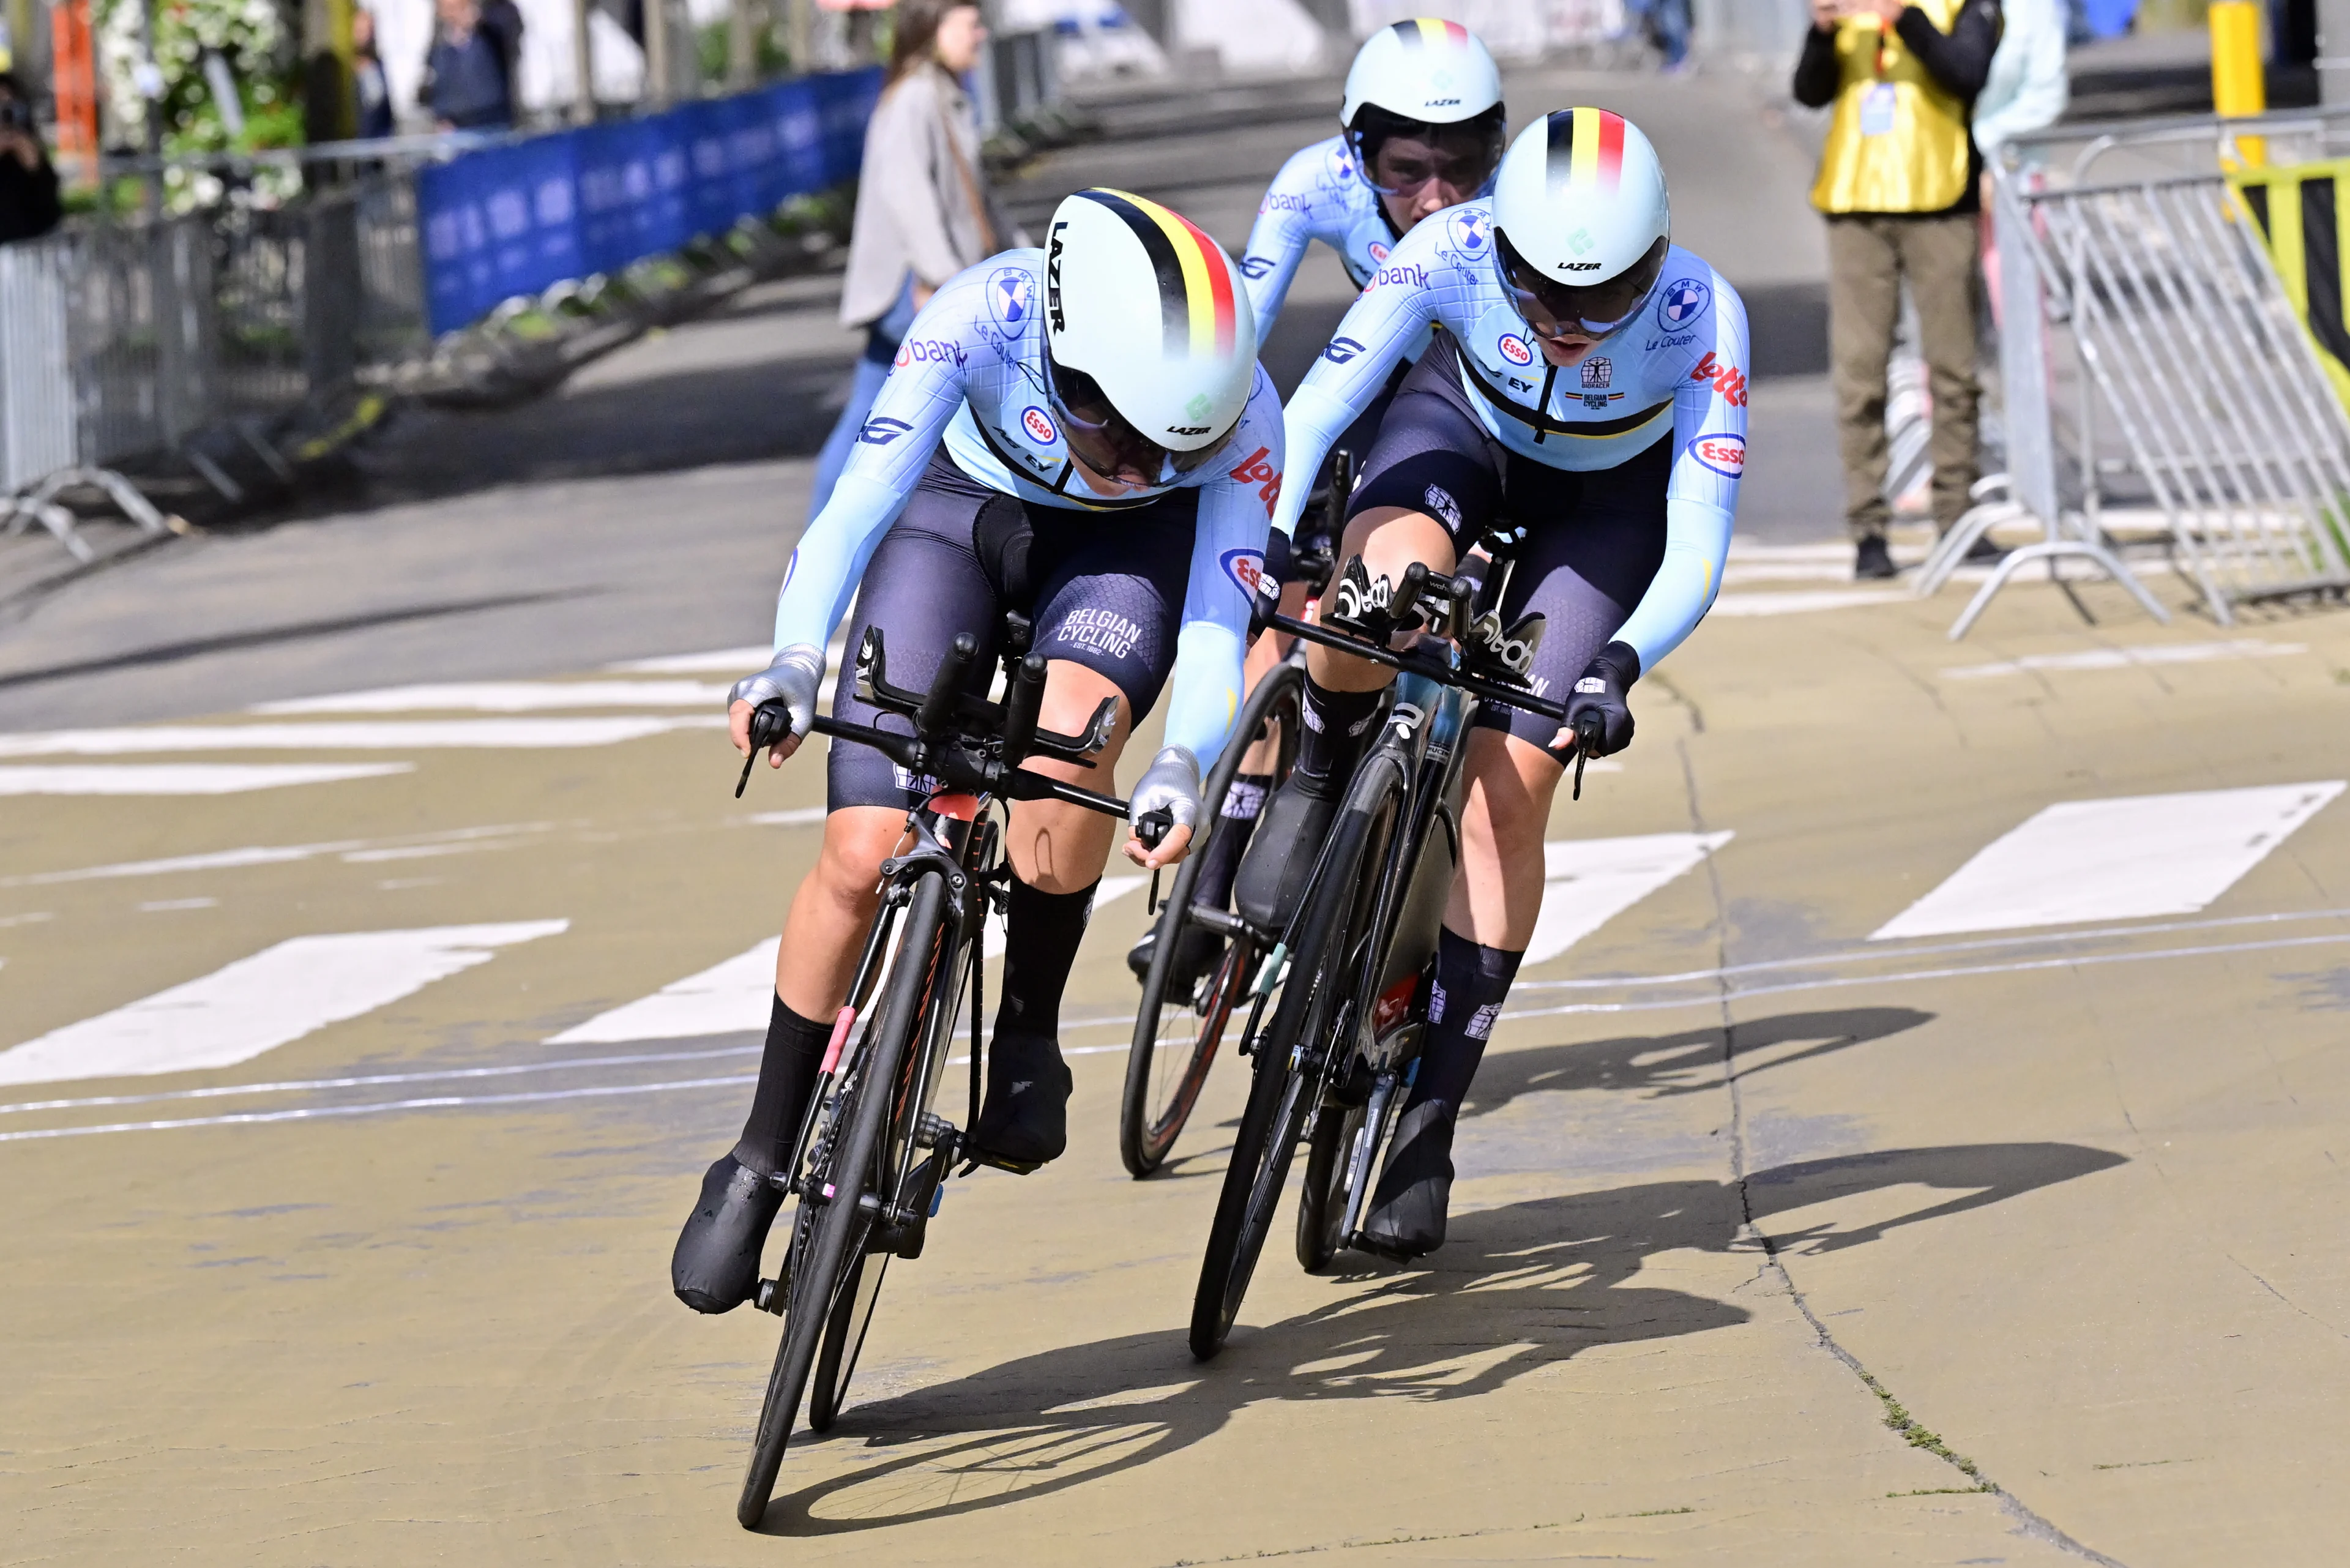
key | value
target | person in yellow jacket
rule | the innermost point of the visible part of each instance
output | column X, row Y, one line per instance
column 1897, row 183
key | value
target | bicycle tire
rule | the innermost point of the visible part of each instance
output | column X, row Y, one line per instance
column 1160, row 1087
column 1278, row 1100
column 839, row 1233
column 844, row 1336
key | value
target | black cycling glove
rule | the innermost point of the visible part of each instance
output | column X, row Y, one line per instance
column 1603, row 693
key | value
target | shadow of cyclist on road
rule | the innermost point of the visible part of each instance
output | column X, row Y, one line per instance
column 1517, row 1289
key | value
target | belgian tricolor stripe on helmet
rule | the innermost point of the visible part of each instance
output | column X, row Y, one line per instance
column 1586, row 148
column 1429, row 30
column 1195, row 281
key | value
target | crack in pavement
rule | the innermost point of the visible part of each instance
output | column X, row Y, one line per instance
column 2028, row 1522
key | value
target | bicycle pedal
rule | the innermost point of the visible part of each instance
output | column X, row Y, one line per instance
column 997, row 1162
column 771, row 1296
column 934, row 1130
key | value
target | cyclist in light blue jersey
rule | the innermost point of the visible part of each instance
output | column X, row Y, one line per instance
column 1080, row 433
column 1589, row 387
column 1420, row 128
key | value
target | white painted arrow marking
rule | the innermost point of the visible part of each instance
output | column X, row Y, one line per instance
column 1590, row 881
column 261, row 1002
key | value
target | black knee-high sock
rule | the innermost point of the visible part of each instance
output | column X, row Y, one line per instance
column 1470, row 982
column 1041, row 933
column 1336, row 723
column 795, row 1047
column 1244, row 803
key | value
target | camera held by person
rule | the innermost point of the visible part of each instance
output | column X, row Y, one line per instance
column 28, row 184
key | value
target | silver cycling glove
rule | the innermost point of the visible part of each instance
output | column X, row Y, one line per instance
column 792, row 679
column 1171, row 784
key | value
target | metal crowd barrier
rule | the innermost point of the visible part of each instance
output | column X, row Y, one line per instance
column 2184, row 336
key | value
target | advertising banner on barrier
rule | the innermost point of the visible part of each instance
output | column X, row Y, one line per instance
column 510, row 220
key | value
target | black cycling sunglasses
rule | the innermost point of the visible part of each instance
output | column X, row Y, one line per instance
column 1103, row 441
column 1593, row 310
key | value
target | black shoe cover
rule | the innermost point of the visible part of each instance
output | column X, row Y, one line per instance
column 1024, row 1121
column 1407, row 1217
column 716, row 1265
column 1200, row 949
column 1281, row 856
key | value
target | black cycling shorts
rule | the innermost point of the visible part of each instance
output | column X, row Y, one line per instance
column 1593, row 540
column 1107, row 593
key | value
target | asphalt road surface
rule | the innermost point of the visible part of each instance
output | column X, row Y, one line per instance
column 1917, row 1135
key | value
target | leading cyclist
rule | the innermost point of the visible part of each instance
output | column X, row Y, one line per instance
column 1590, row 386
column 1420, row 128
column 1081, row 432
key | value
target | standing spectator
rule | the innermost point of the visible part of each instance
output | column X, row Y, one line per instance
column 468, row 78
column 29, row 185
column 1667, row 24
column 923, row 209
column 369, row 84
column 1899, row 185
column 2025, row 91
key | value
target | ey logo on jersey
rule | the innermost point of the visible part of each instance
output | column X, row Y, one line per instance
column 1683, row 301
column 1010, row 296
column 1245, row 567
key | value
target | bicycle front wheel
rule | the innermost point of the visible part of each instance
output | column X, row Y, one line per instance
column 835, row 1245
column 1178, row 1030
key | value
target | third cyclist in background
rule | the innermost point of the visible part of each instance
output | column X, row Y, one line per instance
column 1421, row 129
column 1590, row 386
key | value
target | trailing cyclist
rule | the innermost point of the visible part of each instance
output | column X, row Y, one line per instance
column 1080, row 432
column 1420, row 130
column 1590, row 386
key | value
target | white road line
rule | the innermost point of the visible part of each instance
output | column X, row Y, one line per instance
column 799, row 816
column 358, row 849
column 720, row 661
column 186, row 778
column 1838, row 982
column 1897, row 955
column 2130, row 658
column 1803, row 602
column 1590, row 881
column 261, row 1002
column 728, row 998
column 495, row 734
column 2113, row 860
column 434, row 1103
column 507, row 696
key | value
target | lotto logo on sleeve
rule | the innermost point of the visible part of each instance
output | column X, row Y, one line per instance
column 1515, row 350
column 1010, row 296
column 1039, row 425
column 1723, row 454
column 1254, row 470
column 1245, row 567
column 1728, row 380
column 1683, row 301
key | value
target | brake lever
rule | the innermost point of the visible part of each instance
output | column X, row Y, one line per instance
column 1588, row 731
column 1152, row 828
column 770, row 723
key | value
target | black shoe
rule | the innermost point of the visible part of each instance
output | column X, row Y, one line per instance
column 1025, row 1122
column 1200, row 949
column 1873, row 562
column 1407, row 1217
column 716, row 1265
column 1281, row 856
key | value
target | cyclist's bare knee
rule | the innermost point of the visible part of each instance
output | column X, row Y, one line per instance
column 1056, row 847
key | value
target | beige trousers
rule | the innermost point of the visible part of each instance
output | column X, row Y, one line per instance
column 1868, row 256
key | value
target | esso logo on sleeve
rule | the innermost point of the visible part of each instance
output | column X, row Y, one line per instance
column 1725, row 454
column 1245, row 567
column 1039, row 425
column 1515, row 350
column 1379, row 253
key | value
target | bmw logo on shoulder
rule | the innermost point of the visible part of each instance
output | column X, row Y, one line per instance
column 1039, row 425
column 1010, row 296
column 1470, row 229
column 1683, row 301
column 1515, row 350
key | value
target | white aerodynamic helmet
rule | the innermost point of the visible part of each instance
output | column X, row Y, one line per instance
column 1150, row 344
column 1417, row 79
column 1581, row 223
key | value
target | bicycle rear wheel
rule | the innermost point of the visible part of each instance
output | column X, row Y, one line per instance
column 844, row 1337
column 836, row 1245
column 1176, row 1036
column 1289, row 1054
